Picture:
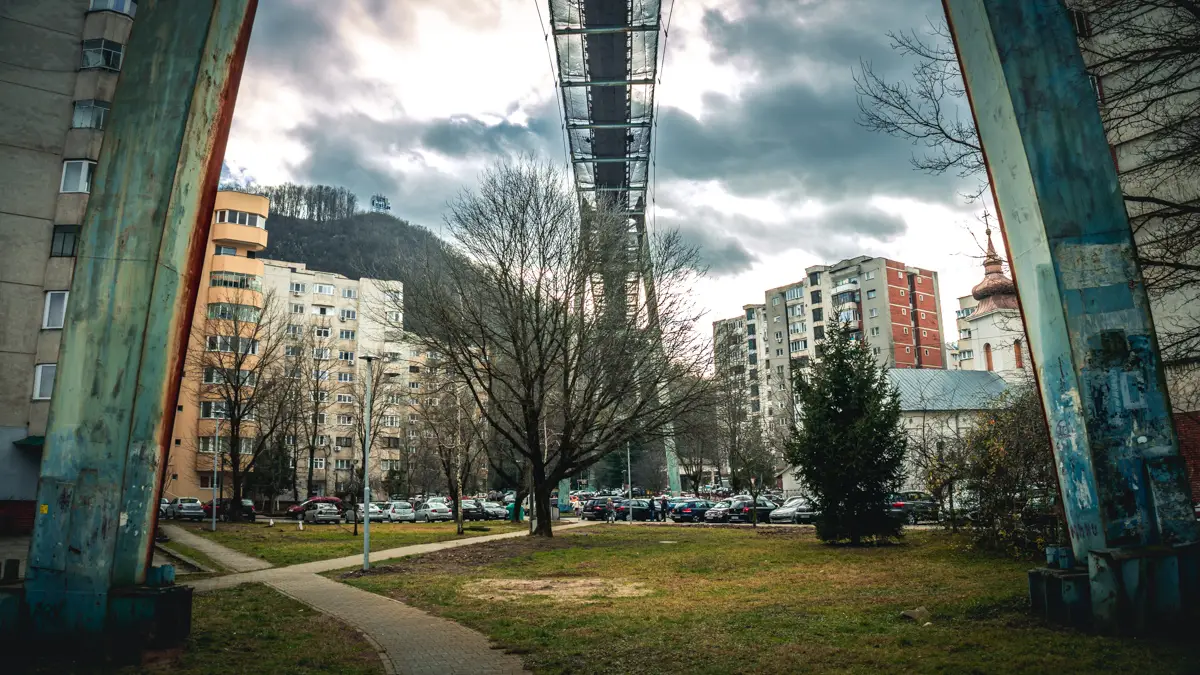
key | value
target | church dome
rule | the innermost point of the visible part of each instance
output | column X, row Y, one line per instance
column 996, row 291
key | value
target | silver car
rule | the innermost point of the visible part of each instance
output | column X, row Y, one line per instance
column 431, row 511
column 185, row 508
column 322, row 512
column 400, row 512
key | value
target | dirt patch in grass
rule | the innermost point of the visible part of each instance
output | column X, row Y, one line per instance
column 560, row 589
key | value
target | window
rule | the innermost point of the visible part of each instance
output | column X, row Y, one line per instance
column 345, row 398
column 814, row 278
column 903, row 311
column 391, row 442
column 779, row 336
column 796, row 327
column 906, row 330
column 412, row 433
column 232, row 344
column 778, row 319
column 414, row 369
column 818, row 332
column 348, row 357
column 342, row 464
column 233, row 312
column 89, row 114
column 320, row 375
column 319, row 396
column 794, row 293
column 293, row 330
column 54, row 313
column 349, row 293
column 225, row 250
column 752, row 345
column 750, row 329
column 211, row 410
column 348, row 315
column 321, row 353
column 922, row 315
column 775, row 301
column 1017, row 354
column 1097, row 87
column 77, row 175
column 323, row 289
column 987, row 356
column 322, row 310
column 750, row 314
column 321, row 331
column 918, row 279
column 815, row 297
column 241, row 218
column 798, row 345
column 874, row 331
column 899, row 274
column 908, row 350
column 871, row 294
column 43, row 381
column 874, row 313
column 393, row 317
column 246, row 378
column 206, row 481
column 345, row 420
column 235, row 280
column 755, row 406
column 297, row 308
column 319, row 462
column 345, row 377
column 926, row 352
column 869, row 276
column 902, row 293
column 321, row 420
column 62, row 245
column 101, row 54
column 412, row 417
column 296, row 287
column 128, row 7
column 345, row 334
column 818, row 314
column 966, row 354
column 754, row 390
column 1083, row 25
column 414, row 385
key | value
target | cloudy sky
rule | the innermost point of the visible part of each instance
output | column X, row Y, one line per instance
column 759, row 157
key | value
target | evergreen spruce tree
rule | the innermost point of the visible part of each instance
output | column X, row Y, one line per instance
column 848, row 445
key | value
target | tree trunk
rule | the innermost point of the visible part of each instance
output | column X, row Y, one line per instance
column 541, row 506
column 517, row 499
column 308, row 488
column 233, row 513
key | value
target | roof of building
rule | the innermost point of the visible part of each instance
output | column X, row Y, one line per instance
column 929, row 389
column 996, row 291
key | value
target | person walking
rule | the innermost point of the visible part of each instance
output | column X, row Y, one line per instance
column 609, row 513
column 663, row 510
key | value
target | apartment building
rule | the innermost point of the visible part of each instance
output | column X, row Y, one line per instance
column 57, row 77
column 325, row 323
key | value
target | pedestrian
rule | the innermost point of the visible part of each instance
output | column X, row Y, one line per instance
column 609, row 513
column 653, row 515
column 663, row 511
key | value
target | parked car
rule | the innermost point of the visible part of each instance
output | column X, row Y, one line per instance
column 473, row 509
column 400, row 512
column 495, row 511
column 917, row 506
column 185, row 508
column 297, row 510
column 690, row 511
column 322, row 512
column 794, row 510
column 248, row 513
column 594, row 509
column 431, row 511
column 376, row 513
column 162, row 507
column 640, row 507
column 743, row 510
column 717, row 513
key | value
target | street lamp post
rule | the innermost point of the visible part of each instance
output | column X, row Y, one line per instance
column 368, row 404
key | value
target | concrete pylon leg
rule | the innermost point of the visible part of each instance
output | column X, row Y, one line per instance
column 1084, row 303
column 141, row 250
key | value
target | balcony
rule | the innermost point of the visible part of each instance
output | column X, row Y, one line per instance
column 845, row 286
column 239, row 236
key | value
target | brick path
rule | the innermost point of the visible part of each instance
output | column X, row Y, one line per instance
column 409, row 640
column 228, row 558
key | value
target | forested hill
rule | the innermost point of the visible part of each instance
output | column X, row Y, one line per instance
column 366, row 244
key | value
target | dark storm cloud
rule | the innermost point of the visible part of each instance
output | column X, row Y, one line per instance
column 722, row 253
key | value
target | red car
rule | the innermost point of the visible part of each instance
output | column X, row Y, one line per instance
column 297, row 510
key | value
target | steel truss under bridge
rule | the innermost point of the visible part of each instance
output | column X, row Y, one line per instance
column 608, row 55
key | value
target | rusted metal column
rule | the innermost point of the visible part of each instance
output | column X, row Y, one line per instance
column 141, row 249
column 1084, row 302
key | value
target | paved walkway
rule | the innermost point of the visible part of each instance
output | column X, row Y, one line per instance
column 409, row 640
column 228, row 558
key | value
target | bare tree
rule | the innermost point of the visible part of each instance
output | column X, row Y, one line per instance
column 731, row 397
column 312, row 363
column 240, row 345
column 547, row 323
column 1145, row 55
column 452, row 427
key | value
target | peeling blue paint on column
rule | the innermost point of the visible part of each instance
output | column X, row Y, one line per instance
column 1074, row 260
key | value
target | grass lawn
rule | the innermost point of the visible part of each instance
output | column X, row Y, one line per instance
column 253, row 629
column 726, row 600
column 195, row 555
column 284, row 544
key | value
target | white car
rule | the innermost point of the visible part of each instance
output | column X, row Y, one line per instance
column 376, row 513
column 400, row 512
column 431, row 511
